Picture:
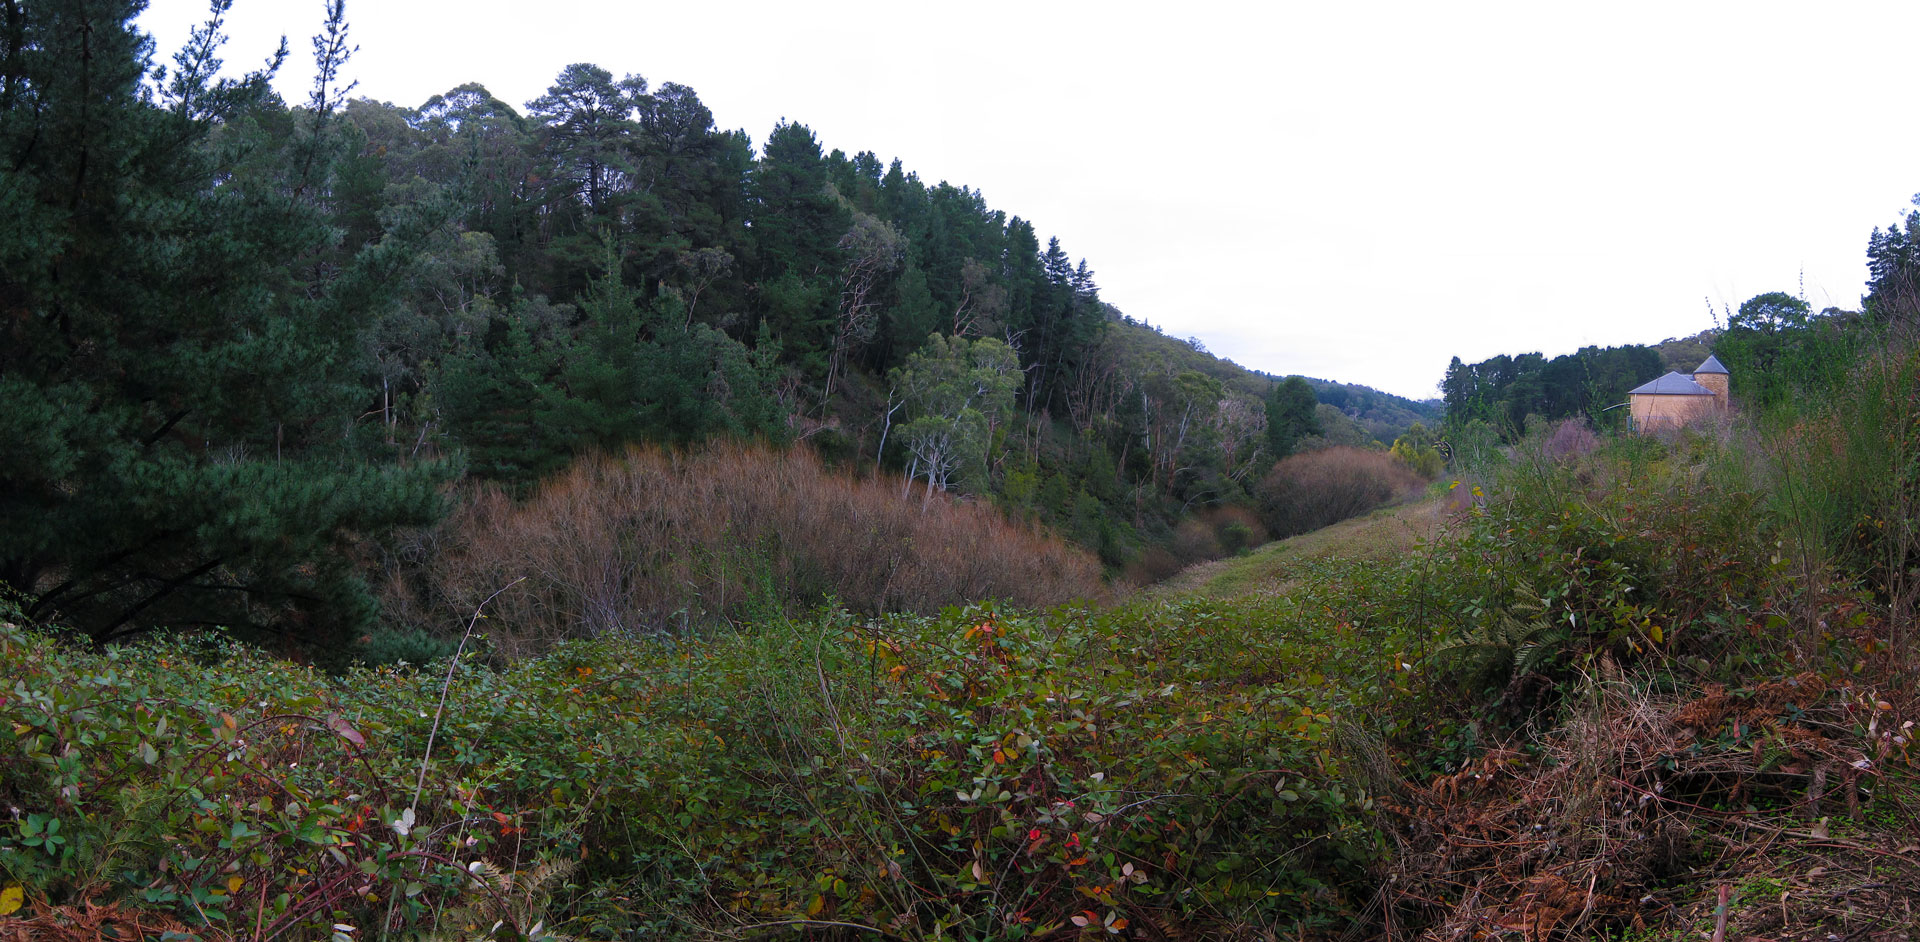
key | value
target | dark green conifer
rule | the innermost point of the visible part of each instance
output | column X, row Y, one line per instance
column 1291, row 415
column 180, row 375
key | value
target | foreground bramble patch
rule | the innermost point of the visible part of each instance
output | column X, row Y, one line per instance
column 983, row 771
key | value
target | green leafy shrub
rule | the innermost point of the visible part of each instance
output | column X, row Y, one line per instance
column 1237, row 528
column 1419, row 450
column 403, row 646
column 1569, row 561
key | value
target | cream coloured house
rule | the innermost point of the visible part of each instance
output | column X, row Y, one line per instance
column 1676, row 399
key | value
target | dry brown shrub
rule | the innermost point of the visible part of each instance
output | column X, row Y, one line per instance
column 1620, row 817
column 90, row 921
column 656, row 541
column 1236, row 527
column 1715, row 704
column 1194, row 541
column 1569, row 439
column 1308, row 491
column 1154, row 564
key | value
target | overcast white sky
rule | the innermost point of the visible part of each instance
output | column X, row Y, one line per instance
column 1356, row 191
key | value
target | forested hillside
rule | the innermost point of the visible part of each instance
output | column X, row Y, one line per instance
column 1383, row 417
column 614, row 268
column 252, row 343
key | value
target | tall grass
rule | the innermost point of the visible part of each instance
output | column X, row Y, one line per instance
column 1846, row 479
column 655, row 541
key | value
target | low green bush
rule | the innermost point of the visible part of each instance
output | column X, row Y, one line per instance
column 1568, row 561
column 978, row 774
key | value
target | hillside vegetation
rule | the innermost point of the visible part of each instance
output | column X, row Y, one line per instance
column 1385, row 535
column 250, row 346
column 1612, row 683
column 453, row 523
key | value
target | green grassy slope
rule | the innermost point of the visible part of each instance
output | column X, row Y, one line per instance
column 1385, row 536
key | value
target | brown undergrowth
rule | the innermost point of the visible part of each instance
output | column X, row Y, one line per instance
column 1797, row 795
column 91, row 921
column 656, row 541
column 1319, row 488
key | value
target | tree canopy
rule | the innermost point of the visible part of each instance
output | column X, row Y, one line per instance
column 1503, row 391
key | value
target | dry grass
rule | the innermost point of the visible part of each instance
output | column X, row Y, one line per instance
column 656, row 541
column 90, row 921
column 1796, row 799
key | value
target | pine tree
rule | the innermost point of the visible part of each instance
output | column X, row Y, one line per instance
column 1893, row 272
column 797, row 225
column 180, row 373
column 1291, row 415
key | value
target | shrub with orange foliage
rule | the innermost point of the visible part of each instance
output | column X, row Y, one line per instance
column 1308, row 491
column 657, row 541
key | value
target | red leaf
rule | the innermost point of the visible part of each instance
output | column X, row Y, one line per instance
column 348, row 733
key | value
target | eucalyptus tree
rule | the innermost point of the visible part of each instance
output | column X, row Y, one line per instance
column 957, row 391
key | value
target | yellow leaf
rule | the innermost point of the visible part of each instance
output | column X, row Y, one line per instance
column 1658, row 635
column 233, row 884
column 819, row 903
column 11, row 898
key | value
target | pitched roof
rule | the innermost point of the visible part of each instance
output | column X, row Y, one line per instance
column 1711, row 366
column 1672, row 384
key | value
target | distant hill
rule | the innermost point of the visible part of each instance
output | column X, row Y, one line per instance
column 1190, row 354
column 1383, row 416
column 1682, row 354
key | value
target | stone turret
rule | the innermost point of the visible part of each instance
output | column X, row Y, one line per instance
column 1716, row 378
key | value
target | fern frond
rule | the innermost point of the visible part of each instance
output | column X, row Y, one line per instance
column 1543, row 648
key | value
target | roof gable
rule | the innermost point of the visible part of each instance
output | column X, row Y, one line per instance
column 1672, row 384
column 1711, row 366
